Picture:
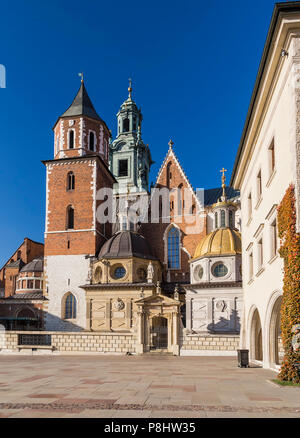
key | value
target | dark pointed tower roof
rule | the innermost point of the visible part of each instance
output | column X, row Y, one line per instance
column 82, row 105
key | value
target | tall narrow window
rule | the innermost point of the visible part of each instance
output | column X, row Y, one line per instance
column 250, row 265
column 123, row 167
column 272, row 157
column 179, row 199
column 126, row 125
column 260, row 253
column 134, row 124
column 169, row 174
column 273, row 238
column 71, row 181
column 70, row 307
column 259, row 187
column 92, row 141
column 216, row 220
column 70, row 217
column 223, row 218
column 71, row 139
column 173, row 248
column 249, row 206
column 230, row 218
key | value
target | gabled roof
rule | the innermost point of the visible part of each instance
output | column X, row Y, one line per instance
column 169, row 154
column 82, row 105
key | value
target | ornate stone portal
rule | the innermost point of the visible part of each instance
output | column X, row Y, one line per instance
column 158, row 324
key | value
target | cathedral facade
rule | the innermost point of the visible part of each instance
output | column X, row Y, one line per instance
column 120, row 258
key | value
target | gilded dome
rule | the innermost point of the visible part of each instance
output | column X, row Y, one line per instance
column 223, row 241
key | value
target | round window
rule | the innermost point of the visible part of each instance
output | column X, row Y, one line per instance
column 220, row 270
column 141, row 274
column 119, row 272
column 199, row 272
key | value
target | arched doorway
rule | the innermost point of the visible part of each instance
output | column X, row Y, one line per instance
column 275, row 333
column 256, row 349
column 26, row 319
column 159, row 333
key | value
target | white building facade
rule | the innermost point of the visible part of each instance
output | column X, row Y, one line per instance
column 266, row 164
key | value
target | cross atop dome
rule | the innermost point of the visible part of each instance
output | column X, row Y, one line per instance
column 223, row 183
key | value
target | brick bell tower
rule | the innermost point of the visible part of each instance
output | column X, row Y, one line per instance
column 72, row 233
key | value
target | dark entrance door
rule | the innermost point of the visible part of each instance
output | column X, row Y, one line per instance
column 159, row 333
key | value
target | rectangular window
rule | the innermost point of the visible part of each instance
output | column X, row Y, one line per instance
column 273, row 238
column 260, row 253
column 250, row 265
column 249, row 206
column 272, row 157
column 123, row 168
column 259, row 187
column 30, row 284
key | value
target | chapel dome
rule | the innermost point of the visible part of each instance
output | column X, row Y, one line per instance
column 36, row 265
column 126, row 244
column 223, row 241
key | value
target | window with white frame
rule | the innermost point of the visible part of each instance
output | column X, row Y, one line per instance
column 260, row 253
column 92, row 141
column 271, row 153
column 250, row 265
column 249, row 206
column 71, row 139
column 273, row 238
column 259, row 186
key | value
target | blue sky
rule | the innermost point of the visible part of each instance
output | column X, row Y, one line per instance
column 193, row 65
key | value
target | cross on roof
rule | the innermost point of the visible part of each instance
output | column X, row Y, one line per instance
column 170, row 143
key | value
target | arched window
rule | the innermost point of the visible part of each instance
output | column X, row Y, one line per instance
column 70, row 307
column 222, row 218
column 70, row 217
column 230, row 219
column 71, row 181
column 216, row 220
column 92, row 141
column 71, row 139
column 126, row 125
column 173, row 248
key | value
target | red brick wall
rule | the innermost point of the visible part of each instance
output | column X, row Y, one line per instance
column 82, row 200
column 155, row 232
column 29, row 250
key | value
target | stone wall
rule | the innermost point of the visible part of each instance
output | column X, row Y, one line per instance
column 73, row 343
column 209, row 345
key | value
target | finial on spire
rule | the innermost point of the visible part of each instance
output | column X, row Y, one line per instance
column 81, row 75
column 130, row 88
column 171, row 143
column 223, row 182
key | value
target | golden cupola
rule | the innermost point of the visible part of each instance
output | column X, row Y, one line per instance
column 224, row 239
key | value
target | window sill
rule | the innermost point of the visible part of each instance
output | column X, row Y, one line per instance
column 261, row 270
column 273, row 258
column 258, row 203
column 271, row 178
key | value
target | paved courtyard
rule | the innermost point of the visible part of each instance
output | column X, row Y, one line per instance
column 140, row 386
